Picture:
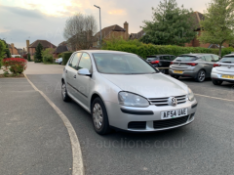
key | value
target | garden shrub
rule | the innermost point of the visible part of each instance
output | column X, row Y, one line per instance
column 15, row 65
column 66, row 56
column 48, row 59
column 144, row 50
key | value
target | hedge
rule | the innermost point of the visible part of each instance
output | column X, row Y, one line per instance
column 66, row 56
column 144, row 50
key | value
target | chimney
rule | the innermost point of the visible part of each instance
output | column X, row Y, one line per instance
column 27, row 45
column 126, row 29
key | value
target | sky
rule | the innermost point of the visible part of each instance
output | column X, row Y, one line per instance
column 45, row 19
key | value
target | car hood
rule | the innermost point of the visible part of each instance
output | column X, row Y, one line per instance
column 149, row 85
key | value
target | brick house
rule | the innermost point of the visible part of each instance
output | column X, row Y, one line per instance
column 31, row 48
column 13, row 49
column 195, row 42
column 113, row 31
column 138, row 35
column 62, row 47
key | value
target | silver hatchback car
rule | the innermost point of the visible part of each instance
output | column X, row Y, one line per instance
column 197, row 66
column 124, row 92
column 223, row 70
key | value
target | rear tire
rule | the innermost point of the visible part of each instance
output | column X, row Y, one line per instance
column 64, row 94
column 217, row 82
column 201, row 76
column 99, row 117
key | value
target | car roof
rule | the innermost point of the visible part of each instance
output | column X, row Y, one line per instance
column 103, row 51
column 160, row 55
column 197, row 54
column 232, row 54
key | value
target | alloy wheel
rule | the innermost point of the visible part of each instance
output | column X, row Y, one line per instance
column 97, row 116
column 201, row 76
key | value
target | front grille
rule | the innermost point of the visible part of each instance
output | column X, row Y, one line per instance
column 165, row 102
column 137, row 125
column 170, row 123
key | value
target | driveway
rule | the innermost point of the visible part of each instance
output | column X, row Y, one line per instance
column 204, row 147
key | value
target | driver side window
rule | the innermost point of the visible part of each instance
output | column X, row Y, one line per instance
column 85, row 62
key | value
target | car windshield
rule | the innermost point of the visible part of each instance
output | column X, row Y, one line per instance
column 186, row 58
column 112, row 63
column 227, row 59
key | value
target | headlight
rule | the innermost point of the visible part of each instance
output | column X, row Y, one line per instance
column 190, row 95
column 129, row 99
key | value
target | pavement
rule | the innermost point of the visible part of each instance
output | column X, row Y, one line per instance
column 204, row 147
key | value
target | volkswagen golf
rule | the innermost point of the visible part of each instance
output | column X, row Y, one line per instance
column 122, row 91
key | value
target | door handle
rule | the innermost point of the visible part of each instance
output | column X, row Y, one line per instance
column 74, row 76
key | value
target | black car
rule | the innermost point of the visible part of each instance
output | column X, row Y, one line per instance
column 162, row 62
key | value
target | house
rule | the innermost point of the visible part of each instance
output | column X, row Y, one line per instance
column 113, row 31
column 31, row 48
column 13, row 49
column 138, row 35
column 198, row 17
column 62, row 47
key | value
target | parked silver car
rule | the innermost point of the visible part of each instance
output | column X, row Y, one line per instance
column 198, row 66
column 122, row 91
column 223, row 70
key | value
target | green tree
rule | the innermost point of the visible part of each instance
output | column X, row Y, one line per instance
column 171, row 25
column 2, row 51
column 28, row 57
column 7, row 51
column 218, row 25
column 38, row 53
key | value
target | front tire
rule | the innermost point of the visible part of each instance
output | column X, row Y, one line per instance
column 217, row 82
column 64, row 94
column 201, row 76
column 99, row 117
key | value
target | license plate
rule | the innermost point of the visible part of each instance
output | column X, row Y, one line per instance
column 178, row 71
column 228, row 76
column 174, row 113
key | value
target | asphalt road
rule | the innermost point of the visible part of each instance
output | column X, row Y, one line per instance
column 204, row 147
column 33, row 139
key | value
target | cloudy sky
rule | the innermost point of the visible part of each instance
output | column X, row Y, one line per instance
column 45, row 19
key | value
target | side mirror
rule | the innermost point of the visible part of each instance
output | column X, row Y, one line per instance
column 84, row 72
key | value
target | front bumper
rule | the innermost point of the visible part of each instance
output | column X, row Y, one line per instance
column 186, row 73
column 218, row 76
column 122, row 117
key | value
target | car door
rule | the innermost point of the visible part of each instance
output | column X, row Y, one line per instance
column 83, row 82
column 208, row 65
column 72, row 73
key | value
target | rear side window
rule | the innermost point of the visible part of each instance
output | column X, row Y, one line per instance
column 208, row 58
column 227, row 59
column 186, row 58
column 167, row 58
column 215, row 58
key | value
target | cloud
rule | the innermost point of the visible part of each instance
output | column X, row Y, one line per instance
column 22, row 12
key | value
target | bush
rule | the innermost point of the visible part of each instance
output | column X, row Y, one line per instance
column 47, row 55
column 144, row 50
column 15, row 65
column 38, row 53
column 66, row 56
column 48, row 59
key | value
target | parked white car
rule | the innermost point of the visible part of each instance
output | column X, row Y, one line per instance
column 13, row 56
column 223, row 70
column 59, row 60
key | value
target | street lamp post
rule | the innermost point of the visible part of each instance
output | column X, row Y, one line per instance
column 100, row 23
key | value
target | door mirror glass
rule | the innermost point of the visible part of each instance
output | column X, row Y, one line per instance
column 84, row 72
